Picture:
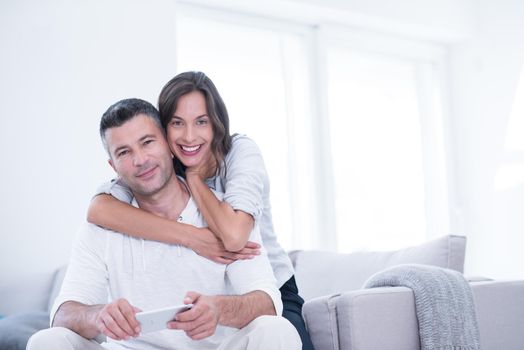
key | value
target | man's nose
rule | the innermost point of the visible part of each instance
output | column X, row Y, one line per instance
column 139, row 158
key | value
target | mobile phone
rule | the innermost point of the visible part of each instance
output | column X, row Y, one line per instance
column 156, row 320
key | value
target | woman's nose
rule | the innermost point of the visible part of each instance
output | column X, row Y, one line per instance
column 189, row 134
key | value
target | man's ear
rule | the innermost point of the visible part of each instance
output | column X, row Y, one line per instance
column 110, row 161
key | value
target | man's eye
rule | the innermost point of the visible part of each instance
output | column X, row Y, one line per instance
column 147, row 142
column 122, row 153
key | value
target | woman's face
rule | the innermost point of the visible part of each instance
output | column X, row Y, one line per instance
column 189, row 132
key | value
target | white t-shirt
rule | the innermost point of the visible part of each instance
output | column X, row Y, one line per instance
column 106, row 265
column 245, row 185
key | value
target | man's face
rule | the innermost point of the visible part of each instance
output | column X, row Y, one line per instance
column 140, row 155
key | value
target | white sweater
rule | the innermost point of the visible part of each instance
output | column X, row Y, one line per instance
column 107, row 265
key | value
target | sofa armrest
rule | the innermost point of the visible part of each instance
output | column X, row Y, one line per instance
column 378, row 318
column 384, row 318
column 500, row 312
column 366, row 319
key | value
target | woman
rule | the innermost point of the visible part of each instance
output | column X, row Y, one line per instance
column 197, row 129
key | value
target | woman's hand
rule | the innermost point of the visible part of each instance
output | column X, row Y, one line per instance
column 206, row 244
column 205, row 169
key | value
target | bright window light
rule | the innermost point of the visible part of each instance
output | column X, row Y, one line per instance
column 301, row 92
column 246, row 64
column 515, row 130
column 376, row 149
column 511, row 170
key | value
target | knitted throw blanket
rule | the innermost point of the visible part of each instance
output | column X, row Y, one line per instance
column 443, row 301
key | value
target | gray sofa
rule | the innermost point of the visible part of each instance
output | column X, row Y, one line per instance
column 341, row 315
column 338, row 313
column 24, row 307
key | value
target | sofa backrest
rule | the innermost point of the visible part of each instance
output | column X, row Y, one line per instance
column 58, row 278
column 320, row 273
column 26, row 293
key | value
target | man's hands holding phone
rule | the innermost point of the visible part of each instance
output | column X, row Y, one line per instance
column 201, row 321
column 120, row 320
column 117, row 320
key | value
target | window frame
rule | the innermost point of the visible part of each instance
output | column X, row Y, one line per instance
column 435, row 139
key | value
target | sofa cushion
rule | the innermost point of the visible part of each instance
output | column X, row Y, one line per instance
column 25, row 293
column 15, row 330
column 320, row 316
column 321, row 273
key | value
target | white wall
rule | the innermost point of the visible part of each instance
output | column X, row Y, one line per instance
column 62, row 63
column 484, row 74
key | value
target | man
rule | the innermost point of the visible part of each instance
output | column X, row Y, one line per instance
column 145, row 275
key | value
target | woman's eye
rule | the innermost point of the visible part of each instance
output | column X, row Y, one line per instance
column 176, row 123
column 202, row 122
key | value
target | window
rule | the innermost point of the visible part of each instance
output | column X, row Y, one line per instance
column 350, row 125
column 376, row 150
column 386, row 140
column 260, row 73
column 511, row 169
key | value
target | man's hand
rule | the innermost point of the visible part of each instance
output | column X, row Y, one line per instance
column 227, row 310
column 206, row 244
column 201, row 320
column 117, row 320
